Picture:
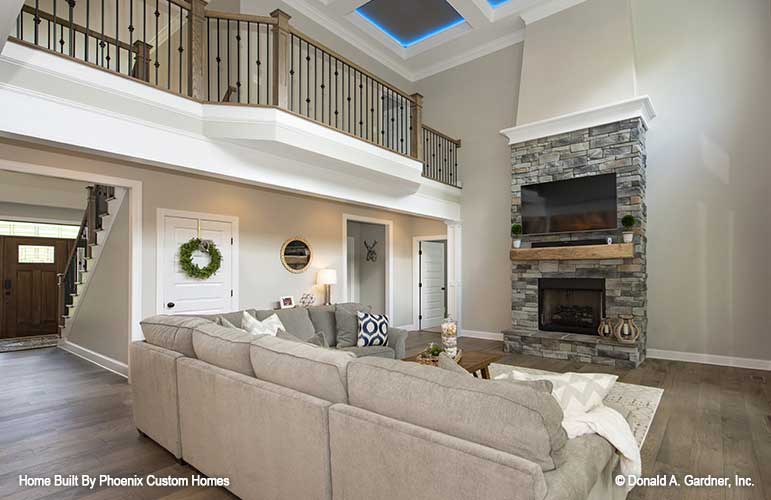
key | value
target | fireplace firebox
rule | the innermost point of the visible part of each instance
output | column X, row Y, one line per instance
column 571, row 305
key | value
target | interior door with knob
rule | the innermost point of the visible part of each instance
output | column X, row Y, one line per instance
column 181, row 294
column 433, row 283
column 29, row 285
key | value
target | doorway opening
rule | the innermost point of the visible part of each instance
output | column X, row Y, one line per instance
column 430, row 281
column 367, row 263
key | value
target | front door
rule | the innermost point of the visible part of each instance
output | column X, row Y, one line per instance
column 433, row 288
column 181, row 294
column 29, row 286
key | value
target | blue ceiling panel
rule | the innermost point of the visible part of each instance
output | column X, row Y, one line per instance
column 410, row 21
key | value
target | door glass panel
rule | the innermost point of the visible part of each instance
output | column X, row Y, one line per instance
column 36, row 254
column 15, row 228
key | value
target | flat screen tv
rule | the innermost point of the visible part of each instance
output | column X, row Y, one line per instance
column 582, row 204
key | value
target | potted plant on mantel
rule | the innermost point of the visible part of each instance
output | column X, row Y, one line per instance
column 516, row 234
column 628, row 221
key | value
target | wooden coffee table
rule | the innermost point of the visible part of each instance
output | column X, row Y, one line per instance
column 475, row 362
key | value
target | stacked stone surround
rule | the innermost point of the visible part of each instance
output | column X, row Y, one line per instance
column 615, row 147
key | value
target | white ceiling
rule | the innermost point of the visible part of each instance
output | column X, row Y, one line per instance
column 486, row 30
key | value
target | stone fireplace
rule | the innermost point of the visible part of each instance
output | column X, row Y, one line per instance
column 564, row 282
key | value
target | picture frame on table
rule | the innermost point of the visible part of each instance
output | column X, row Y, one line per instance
column 286, row 302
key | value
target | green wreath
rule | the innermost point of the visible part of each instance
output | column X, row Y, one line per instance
column 193, row 270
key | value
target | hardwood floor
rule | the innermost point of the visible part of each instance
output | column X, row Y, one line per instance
column 62, row 415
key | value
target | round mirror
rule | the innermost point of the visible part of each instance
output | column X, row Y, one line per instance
column 296, row 255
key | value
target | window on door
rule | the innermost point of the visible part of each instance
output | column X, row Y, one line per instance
column 37, row 254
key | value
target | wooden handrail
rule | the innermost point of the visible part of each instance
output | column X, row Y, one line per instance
column 350, row 63
column 215, row 14
column 182, row 3
column 457, row 142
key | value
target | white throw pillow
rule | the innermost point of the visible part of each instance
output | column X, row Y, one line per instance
column 269, row 326
column 576, row 393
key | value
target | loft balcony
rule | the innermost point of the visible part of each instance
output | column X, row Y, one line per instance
column 251, row 83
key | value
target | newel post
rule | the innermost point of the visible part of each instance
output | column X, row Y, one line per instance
column 196, row 54
column 416, row 127
column 280, row 58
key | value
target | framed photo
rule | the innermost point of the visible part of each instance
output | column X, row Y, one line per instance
column 286, row 302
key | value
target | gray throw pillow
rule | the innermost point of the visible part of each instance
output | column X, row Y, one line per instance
column 348, row 323
column 449, row 364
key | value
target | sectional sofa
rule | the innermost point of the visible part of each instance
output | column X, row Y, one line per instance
column 289, row 420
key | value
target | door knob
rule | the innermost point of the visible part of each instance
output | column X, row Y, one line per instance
column 170, row 305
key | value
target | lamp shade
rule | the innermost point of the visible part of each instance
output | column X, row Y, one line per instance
column 327, row 277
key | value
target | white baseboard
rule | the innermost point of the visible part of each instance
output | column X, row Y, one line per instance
column 710, row 359
column 94, row 357
column 476, row 334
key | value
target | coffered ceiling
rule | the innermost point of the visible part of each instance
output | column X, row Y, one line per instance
column 419, row 38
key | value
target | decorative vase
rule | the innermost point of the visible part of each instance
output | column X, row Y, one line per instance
column 517, row 243
column 626, row 330
column 450, row 336
column 606, row 327
column 628, row 237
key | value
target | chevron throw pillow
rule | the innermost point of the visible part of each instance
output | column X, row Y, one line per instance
column 576, row 393
column 373, row 329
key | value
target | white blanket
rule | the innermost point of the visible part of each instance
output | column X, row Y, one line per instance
column 611, row 425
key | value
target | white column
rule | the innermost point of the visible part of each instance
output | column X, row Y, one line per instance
column 454, row 274
column 9, row 11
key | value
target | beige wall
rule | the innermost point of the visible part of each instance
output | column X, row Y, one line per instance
column 474, row 102
column 577, row 59
column 705, row 64
column 102, row 324
column 266, row 219
column 370, row 276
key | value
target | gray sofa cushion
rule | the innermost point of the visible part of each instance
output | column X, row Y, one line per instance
column 303, row 367
column 224, row 347
column 296, row 321
column 323, row 319
column 172, row 332
column 234, row 317
column 348, row 323
column 379, row 351
column 514, row 418
column 317, row 340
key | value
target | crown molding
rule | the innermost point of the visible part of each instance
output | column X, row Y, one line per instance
column 544, row 10
column 637, row 107
column 469, row 55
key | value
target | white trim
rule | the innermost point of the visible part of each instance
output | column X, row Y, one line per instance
column 455, row 272
column 477, row 334
column 469, row 55
column 161, row 213
column 544, row 10
column 117, row 367
column 389, row 293
column 416, row 274
column 710, row 359
column 637, row 107
column 134, row 193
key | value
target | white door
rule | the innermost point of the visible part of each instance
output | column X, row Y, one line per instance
column 432, row 284
column 181, row 294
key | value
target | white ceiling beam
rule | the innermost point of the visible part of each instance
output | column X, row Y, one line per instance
column 343, row 7
column 473, row 11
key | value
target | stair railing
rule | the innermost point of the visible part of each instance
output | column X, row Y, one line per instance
column 82, row 250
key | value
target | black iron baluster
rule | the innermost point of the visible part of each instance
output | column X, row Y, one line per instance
column 181, row 49
column 37, row 20
column 131, row 61
column 291, row 72
column 380, row 108
column 219, row 62
column 337, row 93
column 348, row 98
column 102, row 43
column 329, row 86
column 227, row 51
column 322, row 85
column 70, row 30
column 54, row 30
column 88, row 26
column 168, row 49
column 117, row 35
column 248, row 63
column 308, row 80
column 238, row 60
column 315, row 78
column 157, row 62
column 259, row 63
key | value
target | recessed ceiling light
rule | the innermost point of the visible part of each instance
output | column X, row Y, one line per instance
column 408, row 22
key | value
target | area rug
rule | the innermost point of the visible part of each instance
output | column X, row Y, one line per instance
column 24, row 343
column 641, row 401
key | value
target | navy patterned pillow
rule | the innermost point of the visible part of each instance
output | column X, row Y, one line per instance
column 373, row 329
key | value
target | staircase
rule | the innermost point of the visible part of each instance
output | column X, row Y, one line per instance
column 103, row 205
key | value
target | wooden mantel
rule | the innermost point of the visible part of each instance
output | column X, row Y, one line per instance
column 588, row 252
